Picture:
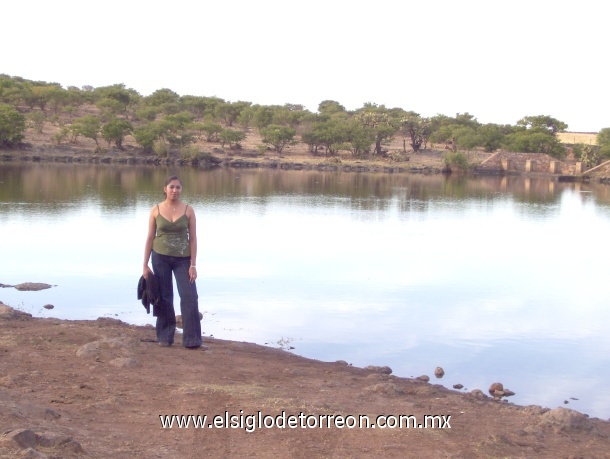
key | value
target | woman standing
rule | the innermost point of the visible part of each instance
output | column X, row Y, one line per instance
column 171, row 245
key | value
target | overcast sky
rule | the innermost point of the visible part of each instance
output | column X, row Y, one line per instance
column 497, row 60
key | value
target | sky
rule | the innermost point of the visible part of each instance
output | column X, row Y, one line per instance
column 497, row 60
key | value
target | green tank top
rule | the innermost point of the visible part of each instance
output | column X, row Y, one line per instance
column 172, row 238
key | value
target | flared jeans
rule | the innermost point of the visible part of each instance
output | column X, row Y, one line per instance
column 166, row 268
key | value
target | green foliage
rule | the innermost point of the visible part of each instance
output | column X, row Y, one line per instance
column 232, row 138
column 543, row 123
column 37, row 120
column 12, row 126
column 211, row 131
column 88, row 126
column 381, row 123
column 456, row 161
column 535, row 141
column 588, row 154
column 331, row 133
column 147, row 135
column 147, row 113
column 229, row 112
column 189, row 152
column 417, row 129
column 491, row 137
column 115, row 131
column 278, row 136
column 603, row 137
column 359, row 138
column 162, row 96
column 161, row 148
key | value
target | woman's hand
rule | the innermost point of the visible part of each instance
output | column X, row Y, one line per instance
column 147, row 271
column 192, row 274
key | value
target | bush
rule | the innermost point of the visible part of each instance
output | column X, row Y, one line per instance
column 189, row 152
column 455, row 161
column 161, row 148
column 12, row 126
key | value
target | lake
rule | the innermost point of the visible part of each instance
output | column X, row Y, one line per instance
column 495, row 279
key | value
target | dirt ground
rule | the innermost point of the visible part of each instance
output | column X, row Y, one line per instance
column 97, row 389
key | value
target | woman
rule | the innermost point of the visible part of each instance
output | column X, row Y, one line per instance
column 171, row 245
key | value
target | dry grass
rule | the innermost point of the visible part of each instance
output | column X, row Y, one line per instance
column 588, row 138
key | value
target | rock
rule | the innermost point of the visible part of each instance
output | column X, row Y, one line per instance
column 377, row 369
column 51, row 414
column 496, row 390
column 48, row 306
column 23, row 438
column 565, row 420
column 478, row 394
column 6, row 312
column 32, row 286
column 424, row 378
column 458, row 386
column 439, row 372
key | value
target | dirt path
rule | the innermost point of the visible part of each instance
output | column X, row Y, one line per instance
column 97, row 389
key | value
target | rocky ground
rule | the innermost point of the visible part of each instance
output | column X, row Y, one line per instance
column 97, row 389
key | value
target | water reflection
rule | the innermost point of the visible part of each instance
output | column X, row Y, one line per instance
column 493, row 278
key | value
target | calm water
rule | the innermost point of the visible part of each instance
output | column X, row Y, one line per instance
column 494, row 279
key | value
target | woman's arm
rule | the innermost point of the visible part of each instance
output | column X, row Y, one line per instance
column 190, row 213
column 152, row 229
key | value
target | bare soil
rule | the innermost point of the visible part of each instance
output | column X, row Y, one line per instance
column 97, row 389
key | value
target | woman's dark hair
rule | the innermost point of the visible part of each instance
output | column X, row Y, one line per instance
column 167, row 182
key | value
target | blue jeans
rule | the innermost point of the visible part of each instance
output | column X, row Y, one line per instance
column 163, row 267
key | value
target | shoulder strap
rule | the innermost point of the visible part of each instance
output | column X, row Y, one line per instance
column 187, row 206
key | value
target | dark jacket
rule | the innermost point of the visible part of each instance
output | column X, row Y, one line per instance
column 149, row 293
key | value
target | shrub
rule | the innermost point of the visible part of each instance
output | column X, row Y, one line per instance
column 455, row 161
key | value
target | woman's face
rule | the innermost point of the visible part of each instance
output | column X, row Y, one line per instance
column 173, row 189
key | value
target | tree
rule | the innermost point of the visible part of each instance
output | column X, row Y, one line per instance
column 278, row 136
column 211, row 131
column 330, row 108
column 331, row 133
column 232, row 137
column 161, row 97
column 535, row 141
column 491, row 137
column 115, row 131
column 88, row 126
column 380, row 122
column 603, row 142
column 12, row 126
column 417, row 129
column 147, row 135
column 359, row 138
column 229, row 111
column 543, row 123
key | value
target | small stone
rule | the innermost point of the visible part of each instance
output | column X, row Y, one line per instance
column 424, row 378
column 48, row 306
column 439, row 372
column 458, row 386
column 495, row 388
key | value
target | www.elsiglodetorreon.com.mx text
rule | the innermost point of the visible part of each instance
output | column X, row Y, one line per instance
column 252, row 422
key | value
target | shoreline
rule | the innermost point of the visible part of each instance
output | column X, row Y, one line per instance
column 97, row 387
column 427, row 162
